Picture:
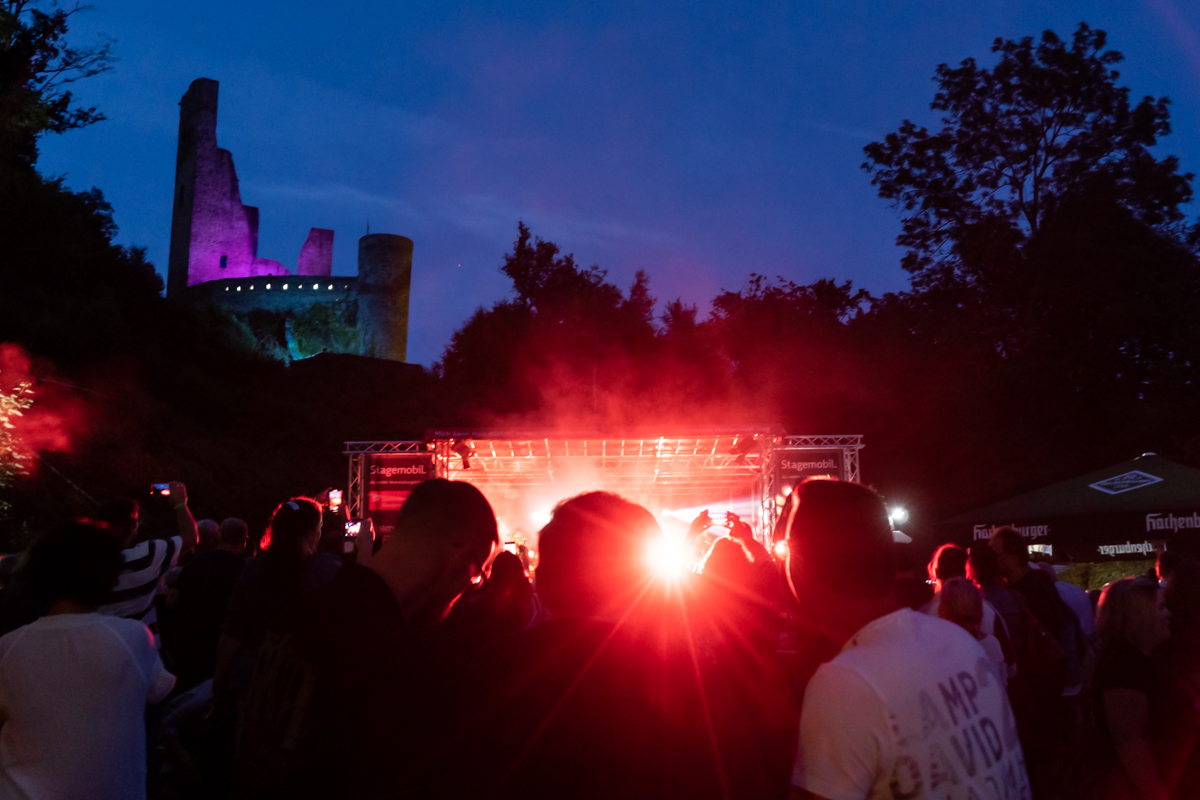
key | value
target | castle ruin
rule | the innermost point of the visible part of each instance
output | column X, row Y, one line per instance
column 214, row 248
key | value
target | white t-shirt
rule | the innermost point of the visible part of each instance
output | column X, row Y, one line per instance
column 73, row 695
column 911, row 707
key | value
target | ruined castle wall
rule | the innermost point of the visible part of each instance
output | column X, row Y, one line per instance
column 248, row 294
column 316, row 255
column 213, row 235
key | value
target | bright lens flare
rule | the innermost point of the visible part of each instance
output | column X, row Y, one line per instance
column 780, row 549
column 666, row 557
column 898, row 515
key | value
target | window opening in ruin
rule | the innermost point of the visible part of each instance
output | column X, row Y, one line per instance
column 224, row 262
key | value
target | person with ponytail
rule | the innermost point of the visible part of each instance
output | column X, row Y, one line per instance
column 288, row 568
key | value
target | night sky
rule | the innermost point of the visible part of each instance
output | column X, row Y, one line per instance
column 701, row 141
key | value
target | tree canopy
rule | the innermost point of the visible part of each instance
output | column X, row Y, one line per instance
column 38, row 67
column 1046, row 125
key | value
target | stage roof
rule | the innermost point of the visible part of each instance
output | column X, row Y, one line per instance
column 707, row 462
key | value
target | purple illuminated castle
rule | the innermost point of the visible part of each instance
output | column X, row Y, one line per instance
column 214, row 250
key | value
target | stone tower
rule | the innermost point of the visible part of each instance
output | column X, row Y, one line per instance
column 384, row 279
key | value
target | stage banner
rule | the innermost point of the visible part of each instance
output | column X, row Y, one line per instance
column 793, row 465
column 390, row 479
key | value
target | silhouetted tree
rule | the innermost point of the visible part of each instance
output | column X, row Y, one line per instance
column 564, row 347
column 1052, row 270
column 1046, row 124
column 37, row 68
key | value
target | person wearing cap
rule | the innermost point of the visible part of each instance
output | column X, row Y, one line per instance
column 911, row 706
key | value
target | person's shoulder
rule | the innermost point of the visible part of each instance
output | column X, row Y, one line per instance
column 1068, row 588
column 901, row 634
column 841, row 682
column 322, row 567
column 130, row 630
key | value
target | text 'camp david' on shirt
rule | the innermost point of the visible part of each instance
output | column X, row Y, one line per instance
column 912, row 708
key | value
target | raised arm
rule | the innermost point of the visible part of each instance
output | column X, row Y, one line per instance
column 183, row 516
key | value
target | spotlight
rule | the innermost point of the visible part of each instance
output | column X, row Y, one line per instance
column 898, row 515
column 781, row 548
column 466, row 449
column 666, row 557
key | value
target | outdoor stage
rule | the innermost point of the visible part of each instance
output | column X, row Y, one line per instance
column 524, row 475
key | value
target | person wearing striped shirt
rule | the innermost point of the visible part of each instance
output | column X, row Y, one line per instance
column 146, row 562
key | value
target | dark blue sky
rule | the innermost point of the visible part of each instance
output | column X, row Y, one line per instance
column 701, row 141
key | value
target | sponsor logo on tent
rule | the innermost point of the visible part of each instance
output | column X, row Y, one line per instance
column 1170, row 522
column 1028, row 531
column 1126, row 482
column 1129, row 548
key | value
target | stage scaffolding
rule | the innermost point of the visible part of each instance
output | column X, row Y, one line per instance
column 661, row 472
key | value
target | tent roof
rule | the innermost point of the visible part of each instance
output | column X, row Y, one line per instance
column 1145, row 484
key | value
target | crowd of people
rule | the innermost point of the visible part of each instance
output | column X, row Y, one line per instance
column 207, row 662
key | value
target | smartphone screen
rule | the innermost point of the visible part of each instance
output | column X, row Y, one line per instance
column 512, row 547
column 161, row 488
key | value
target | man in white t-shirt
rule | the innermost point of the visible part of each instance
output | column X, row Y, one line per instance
column 911, row 707
column 74, row 685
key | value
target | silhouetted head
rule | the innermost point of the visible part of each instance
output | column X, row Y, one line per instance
column 209, row 531
column 121, row 518
column 1012, row 553
column 729, row 565
column 443, row 545
column 232, row 534
column 949, row 561
column 1133, row 611
column 508, row 573
column 982, row 566
column 840, row 545
column 78, row 562
column 962, row 604
column 295, row 528
column 594, row 556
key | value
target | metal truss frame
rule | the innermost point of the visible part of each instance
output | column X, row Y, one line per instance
column 520, row 462
column 356, row 480
column 772, row 494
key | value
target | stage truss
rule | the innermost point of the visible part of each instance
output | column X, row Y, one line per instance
column 661, row 472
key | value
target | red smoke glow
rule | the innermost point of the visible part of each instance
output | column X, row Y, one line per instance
column 55, row 418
